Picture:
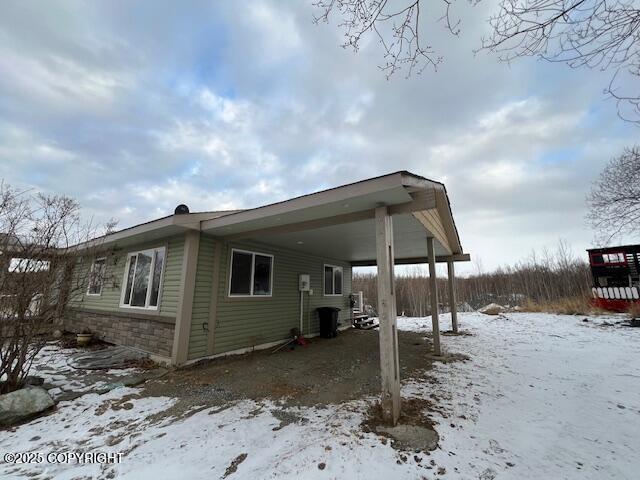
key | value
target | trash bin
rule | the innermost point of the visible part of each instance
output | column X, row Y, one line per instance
column 328, row 321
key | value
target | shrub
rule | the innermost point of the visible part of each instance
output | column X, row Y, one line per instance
column 565, row 306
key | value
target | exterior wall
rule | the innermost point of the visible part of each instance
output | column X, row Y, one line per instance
column 240, row 322
column 149, row 330
column 109, row 299
column 247, row 322
column 202, row 298
column 152, row 334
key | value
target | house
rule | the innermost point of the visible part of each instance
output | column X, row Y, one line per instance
column 195, row 285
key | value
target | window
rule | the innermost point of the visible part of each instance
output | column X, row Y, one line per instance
column 332, row 280
column 96, row 276
column 142, row 279
column 251, row 274
column 615, row 258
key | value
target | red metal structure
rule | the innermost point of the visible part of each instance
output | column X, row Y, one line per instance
column 616, row 277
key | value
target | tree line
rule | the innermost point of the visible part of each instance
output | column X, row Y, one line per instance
column 543, row 278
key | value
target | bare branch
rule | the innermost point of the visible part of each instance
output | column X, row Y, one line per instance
column 38, row 274
column 397, row 30
column 581, row 33
column 614, row 200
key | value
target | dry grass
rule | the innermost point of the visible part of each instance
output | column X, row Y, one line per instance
column 634, row 310
column 563, row 306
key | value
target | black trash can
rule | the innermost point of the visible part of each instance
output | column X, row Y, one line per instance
column 328, row 321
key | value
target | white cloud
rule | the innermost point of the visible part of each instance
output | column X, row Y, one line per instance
column 227, row 106
column 59, row 81
column 229, row 111
column 275, row 31
column 161, row 198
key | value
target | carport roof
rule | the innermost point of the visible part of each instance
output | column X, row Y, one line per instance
column 337, row 222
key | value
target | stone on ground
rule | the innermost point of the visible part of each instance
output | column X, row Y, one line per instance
column 492, row 309
column 23, row 404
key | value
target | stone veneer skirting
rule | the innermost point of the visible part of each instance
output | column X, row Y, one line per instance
column 151, row 333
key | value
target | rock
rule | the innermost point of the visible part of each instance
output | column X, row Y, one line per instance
column 492, row 309
column 57, row 334
column 23, row 404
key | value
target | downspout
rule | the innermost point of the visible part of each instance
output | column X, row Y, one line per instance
column 301, row 309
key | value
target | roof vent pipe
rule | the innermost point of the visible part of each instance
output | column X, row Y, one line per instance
column 181, row 209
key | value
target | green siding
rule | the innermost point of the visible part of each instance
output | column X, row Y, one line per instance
column 109, row 299
column 240, row 322
column 246, row 322
column 202, row 298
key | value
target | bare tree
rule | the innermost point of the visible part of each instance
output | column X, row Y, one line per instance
column 602, row 34
column 542, row 278
column 395, row 26
column 37, row 276
column 614, row 200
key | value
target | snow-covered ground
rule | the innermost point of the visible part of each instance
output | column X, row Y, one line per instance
column 543, row 396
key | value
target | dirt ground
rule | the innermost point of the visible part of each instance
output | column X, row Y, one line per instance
column 326, row 371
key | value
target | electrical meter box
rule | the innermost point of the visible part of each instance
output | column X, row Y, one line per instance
column 304, row 282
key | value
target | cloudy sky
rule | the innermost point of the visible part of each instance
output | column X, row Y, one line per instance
column 134, row 107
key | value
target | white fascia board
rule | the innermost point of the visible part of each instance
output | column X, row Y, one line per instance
column 333, row 195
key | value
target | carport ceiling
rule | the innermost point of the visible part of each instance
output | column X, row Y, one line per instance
column 356, row 241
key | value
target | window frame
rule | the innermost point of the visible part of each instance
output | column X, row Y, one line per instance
column 333, row 280
column 152, row 267
column 252, row 277
column 93, row 264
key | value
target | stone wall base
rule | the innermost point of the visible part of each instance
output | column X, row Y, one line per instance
column 149, row 334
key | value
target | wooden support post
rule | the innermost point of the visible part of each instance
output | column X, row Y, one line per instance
column 433, row 297
column 451, row 274
column 389, row 364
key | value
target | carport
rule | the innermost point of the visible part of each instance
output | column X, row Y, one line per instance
column 400, row 218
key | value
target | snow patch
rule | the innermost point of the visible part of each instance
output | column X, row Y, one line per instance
column 543, row 396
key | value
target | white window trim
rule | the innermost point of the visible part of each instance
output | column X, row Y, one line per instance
column 251, row 280
column 151, row 273
column 93, row 264
column 333, row 280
